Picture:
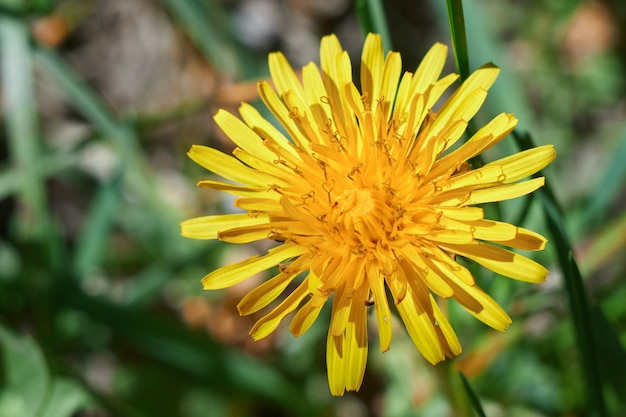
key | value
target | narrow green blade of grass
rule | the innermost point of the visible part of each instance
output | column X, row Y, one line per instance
column 456, row 22
column 131, row 164
column 453, row 385
column 83, row 97
column 94, row 235
column 20, row 112
column 204, row 31
column 577, row 297
column 478, row 408
column 372, row 19
column 50, row 165
column 610, row 184
column 192, row 354
column 613, row 355
column 101, row 216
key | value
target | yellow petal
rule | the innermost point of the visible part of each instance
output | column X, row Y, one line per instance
column 283, row 75
column 335, row 364
column 248, row 234
column 447, row 268
column 264, row 128
column 505, row 192
column 314, row 91
column 487, row 195
column 492, row 314
column 383, row 314
column 461, row 213
column 356, row 345
column 466, row 100
column 268, row 323
column 501, row 261
column 371, row 69
column 450, row 236
column 259, row 204
column 429, row 68
column 523, row 164
column 229, row 167
column 208, row 227
column 306, row 315
column 267, row 292
column 527, row 240
column 443, row 325
column 390, row 77
column 242, row 135
column 277, row 107
column 486, row 137
column 482, row 229
column 235, row 189
column 420, row 271
column 230, row 275
column 420, row 327
column 481, row 306
column 342, row 303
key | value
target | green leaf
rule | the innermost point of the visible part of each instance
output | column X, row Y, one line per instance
column 26, row 377
column 66, row 398
column 29, row 390
column 456, row 22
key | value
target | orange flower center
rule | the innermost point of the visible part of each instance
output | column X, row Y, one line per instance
column 363, row 217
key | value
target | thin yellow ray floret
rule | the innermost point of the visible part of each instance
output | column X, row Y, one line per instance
column 268, row 323
column 208, row 227
column 383, row 313
column 229, row 275
column 229, row 167
column 501, row 261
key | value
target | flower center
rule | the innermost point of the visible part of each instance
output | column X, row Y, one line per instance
column 362, row 216
column 355, row 203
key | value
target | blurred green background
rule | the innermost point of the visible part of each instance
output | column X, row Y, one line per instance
column 101, row 307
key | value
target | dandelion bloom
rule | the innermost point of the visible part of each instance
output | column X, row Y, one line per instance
column 365, row 194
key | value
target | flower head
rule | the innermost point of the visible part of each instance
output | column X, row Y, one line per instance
column 366, row 194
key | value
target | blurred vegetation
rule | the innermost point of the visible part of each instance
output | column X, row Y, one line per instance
column 101, row 308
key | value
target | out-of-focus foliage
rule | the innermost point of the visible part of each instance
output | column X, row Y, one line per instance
column 101, row 308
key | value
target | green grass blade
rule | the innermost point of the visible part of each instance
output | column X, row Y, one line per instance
column 11, row 181
column 452, row 383
column 94, row 235
column 84, row 99
column 613, row 354
column 20, row 112
column 456, row 22
column 478, row 408
column 577, row 297
column 372, row 19
column 131, row 164
column 204, row 30
column 610, row 184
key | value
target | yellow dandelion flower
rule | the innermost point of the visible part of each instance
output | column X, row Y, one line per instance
column 367, row 195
